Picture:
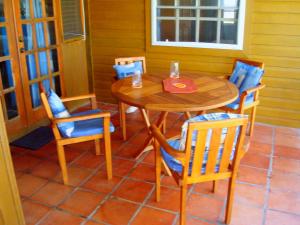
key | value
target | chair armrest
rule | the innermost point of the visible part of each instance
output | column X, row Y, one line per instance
column 163, row 142
column 252, row 90
column 80, row 118
column 80, row 97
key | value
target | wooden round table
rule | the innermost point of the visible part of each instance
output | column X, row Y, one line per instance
column 211, row 93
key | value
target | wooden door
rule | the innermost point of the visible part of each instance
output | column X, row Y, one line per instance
column 39, row 44
column 11, row 92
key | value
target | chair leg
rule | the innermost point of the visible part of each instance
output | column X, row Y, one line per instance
column 214, row 186
column 123, row 119
column 253, row 114
column 229, row 203
column 183, row 195
column 97, row 147
column 62, row 163
column 158, row 162
column 108, row 155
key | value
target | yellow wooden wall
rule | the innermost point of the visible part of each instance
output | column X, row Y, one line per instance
column 119, row 28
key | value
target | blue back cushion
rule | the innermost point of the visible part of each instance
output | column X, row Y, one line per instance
column 128, row 69
column 246, row 76
column 59, row 111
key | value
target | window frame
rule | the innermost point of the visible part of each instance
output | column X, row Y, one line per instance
column 240, row 36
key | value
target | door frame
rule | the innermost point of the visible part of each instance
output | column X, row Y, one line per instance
column 10, row 203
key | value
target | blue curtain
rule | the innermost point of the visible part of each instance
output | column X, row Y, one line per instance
column 42, row 56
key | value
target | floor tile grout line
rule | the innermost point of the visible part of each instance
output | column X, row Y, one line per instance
column 268, row 184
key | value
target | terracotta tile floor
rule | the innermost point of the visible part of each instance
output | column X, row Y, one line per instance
column 267, row 190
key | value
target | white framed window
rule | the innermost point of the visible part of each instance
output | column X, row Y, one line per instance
column 198, row 23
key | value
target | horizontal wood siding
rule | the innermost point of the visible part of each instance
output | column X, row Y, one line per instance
column 118, row 28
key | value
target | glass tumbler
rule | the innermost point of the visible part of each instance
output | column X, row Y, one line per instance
column 174, row 69
column 137, row 79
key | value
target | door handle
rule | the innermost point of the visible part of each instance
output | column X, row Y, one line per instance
column 22, row 50
column 21, row 40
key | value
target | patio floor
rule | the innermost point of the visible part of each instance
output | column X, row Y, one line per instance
column 267, row 190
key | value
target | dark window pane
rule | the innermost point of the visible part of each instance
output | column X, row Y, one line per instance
column 54, row 61
column 57, row 87
column 43, row 63
column 2, row 17
column 49, row 8
column 25, row 9
column 40, row 35
column 230, row 3
column 229, row 32
column 31, row 67
column 35, row 95
column 4, row 51
column 165, row 12
column 51, row 30
column 71, row 17
column 6, row 74
column 11, row 105
column 230, row 14
column 165, row 2
column 37, row 9
column 27, row 35
column 209, row 2
column 187, row 30
column 166, row 30
column 208, row 31
column 187, row 2
column 208, row 13
column 187, row 13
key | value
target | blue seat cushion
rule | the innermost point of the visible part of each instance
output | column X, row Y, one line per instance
column 123, row 71
column 59, row 111
column 180, row 143
column 89, row 127
column 236, row 104
column 246, row 76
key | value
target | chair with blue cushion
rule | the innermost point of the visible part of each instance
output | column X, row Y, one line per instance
column 126, row 67
column 210, row 148
column 246, row 75
column 91, row 125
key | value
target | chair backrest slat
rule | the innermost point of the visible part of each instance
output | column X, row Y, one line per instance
column 199, row 151
column 213, row 150
column 228, row 146
column 128, row 60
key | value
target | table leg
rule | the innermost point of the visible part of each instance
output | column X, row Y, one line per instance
column 159, row 123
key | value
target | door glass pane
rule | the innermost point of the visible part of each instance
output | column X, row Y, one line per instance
column 3, row 42
column 166, row 30
column 31, row 67
column 187, row 30
column 229, row 3
column 56, row 84
column 11, row 105
column 208, row 31
column 229, row 32
column 54, row 61
column 35, row 95
column 40, row 35
column 51, row 30
column 2, row 18
column 43, row 63
column 187, row 12
column 46, row 85
column 37, row 9
column 166, row 12
column 49, row 8
column 208, row 13
column 25, row 9
column 27, row 34
column 6, row 74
